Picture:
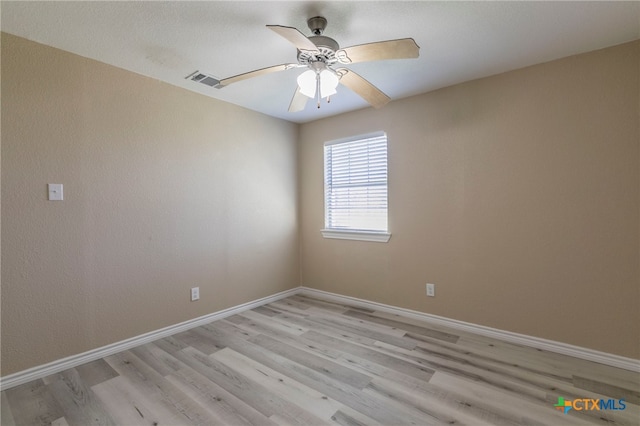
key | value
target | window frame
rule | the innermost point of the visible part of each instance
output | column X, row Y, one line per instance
column 351, row 233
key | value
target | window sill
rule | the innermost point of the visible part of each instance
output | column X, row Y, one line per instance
column 375, row 236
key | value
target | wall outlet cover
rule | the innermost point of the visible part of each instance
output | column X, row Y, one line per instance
column 195, row 294
column 431, row 290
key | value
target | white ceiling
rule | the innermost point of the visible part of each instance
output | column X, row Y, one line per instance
column 459, row 41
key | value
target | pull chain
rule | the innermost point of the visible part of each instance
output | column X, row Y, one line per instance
column 318, row 88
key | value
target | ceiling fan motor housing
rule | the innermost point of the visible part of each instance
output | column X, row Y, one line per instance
column 323, row 41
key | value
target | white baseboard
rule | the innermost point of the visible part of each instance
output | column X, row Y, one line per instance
column 57, row 366
column 507, row 336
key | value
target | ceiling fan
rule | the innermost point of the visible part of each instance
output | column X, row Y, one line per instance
column 320, row 54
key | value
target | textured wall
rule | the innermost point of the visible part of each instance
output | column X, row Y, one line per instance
column 517, row 195
column 164, row 190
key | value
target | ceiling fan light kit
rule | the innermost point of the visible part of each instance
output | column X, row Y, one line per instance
column 319, row 80
column 319, row 53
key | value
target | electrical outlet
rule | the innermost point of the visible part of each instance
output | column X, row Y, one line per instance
column 195, row 294
column 431, row 290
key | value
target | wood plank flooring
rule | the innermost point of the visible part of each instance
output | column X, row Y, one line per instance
column 304, row 361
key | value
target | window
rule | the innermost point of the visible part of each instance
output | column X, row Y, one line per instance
column 355, row 188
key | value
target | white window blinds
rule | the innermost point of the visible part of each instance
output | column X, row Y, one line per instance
column 355, row 174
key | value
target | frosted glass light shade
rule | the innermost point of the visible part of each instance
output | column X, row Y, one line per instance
column 328, row 83
column 307, row 83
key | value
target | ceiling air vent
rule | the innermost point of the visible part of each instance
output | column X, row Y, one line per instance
column 206, row 79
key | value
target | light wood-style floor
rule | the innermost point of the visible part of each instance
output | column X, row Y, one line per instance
column 303, row 361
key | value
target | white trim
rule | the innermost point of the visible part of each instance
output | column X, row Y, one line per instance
column 57, row 366
column 507, row 336
column 372, row 135
column 340, row 234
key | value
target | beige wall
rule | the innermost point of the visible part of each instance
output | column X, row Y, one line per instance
column 517, row 195
column 164, row 190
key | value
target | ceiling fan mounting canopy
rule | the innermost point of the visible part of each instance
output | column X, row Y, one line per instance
column 317, row 24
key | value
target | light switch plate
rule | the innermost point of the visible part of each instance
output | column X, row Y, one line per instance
column 55, row 192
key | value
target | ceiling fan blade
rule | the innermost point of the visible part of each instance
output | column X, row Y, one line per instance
column 256, row 73
column 362, row 87
column 294, row 36
column 298, row 102
column 403, row 48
